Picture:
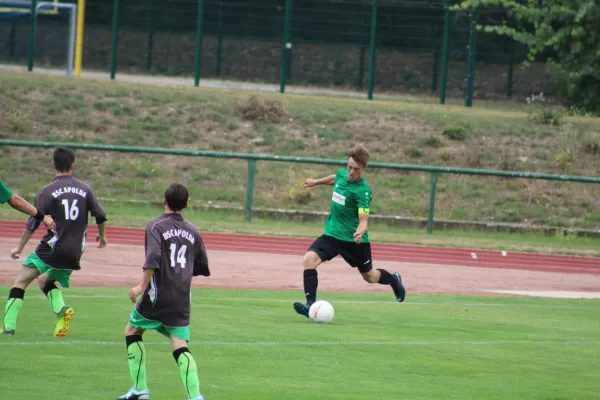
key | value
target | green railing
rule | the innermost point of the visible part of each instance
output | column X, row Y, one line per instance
column 253, row 158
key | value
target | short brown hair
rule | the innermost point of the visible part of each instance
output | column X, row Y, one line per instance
column 360, row 154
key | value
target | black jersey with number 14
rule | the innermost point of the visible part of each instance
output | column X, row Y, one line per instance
column 175, row 250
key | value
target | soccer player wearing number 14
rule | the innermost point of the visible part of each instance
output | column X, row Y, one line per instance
column 175, row 253
column 58, row 254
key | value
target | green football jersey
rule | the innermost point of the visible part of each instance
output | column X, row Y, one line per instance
column 347, row 198
column 5, row 193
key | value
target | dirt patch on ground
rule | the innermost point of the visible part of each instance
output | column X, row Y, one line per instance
column 120, row 265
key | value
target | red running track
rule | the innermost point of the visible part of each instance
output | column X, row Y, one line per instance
column 383, row 252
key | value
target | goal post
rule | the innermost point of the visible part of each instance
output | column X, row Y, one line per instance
column 16, row 8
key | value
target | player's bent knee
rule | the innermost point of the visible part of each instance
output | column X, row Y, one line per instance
column 311, row 260
column 370, row 276
column 177, row 343
column 43, row 281
column 130, row 330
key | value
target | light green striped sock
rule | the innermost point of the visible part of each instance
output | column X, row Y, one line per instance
column 55, row 298
column 136, row 355
column 11, row 312
column 189, row 373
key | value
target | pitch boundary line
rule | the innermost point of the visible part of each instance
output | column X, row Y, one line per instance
column 318, row 343
column 382, row 302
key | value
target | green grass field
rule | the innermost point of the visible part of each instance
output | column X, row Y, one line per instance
column 251, row 345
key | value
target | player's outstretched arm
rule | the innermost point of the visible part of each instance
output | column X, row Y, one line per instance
column 101, row 236
column 363, row 222
column 14, row 253
column 139, row 289
column 328, row 180
column 20, row 204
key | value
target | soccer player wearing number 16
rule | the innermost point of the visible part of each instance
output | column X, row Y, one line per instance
column 175, row 253
column 68, row 201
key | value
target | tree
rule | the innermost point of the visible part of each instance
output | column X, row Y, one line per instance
column 569, row 29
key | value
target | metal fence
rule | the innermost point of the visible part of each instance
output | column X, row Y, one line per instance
column 252, row 159
column 375, row 46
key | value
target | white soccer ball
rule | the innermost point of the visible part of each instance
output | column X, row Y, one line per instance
column 321, row 311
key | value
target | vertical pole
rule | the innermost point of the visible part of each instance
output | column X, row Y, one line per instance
column 199, row 29
column 31, row 49
column 372, row 49
column 79, row 36
column 471, row 59
column 219, row 38
column 511, row 60
column 150, row 36
column 115, row 40
column 12, row 40
column 287, row 44
column 436, row 58
column 445, row 43
column 72, row 34
column 250, row 190
column 434, row 176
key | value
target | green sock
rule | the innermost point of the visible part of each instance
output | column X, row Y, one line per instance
column 188, row 372
column 12, row 309
column 136, row 354
column 55, row 299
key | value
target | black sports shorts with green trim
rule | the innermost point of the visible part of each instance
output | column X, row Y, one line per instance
column 356, row 255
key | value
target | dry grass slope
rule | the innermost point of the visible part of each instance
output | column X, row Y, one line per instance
column 34, row 107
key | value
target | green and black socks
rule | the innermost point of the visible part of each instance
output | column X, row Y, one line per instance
column 15, row 303
column 12, row 309
column 136, row 355
column 54, row 296
column 188, row 371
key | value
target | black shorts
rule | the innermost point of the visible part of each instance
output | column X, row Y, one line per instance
column 356, row 255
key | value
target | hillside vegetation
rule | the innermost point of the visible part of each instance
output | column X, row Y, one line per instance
column 43, row 108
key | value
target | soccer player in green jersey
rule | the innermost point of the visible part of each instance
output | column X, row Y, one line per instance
column 20, row 204
column 346, row 231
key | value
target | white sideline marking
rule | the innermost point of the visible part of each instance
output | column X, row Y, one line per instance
column 318, row 343
column 196, row 298
column 551, row 293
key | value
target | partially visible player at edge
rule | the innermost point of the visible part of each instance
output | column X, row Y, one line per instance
column 20, row 204
column 175, row 253
column 58, row 254
column 346, row 231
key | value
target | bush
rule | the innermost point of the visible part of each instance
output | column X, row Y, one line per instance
column 254, row 109
column 15, row 119
column 413, row 152
column 445, row 155
column 578, row 85
column 432, row 141
column 547, row 116
column 455, row 133
column 300, row 195
column 590, row 145
column 564, row 160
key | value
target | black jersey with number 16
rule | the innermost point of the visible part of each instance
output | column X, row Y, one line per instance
column 68, row 201
column 175, row 250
